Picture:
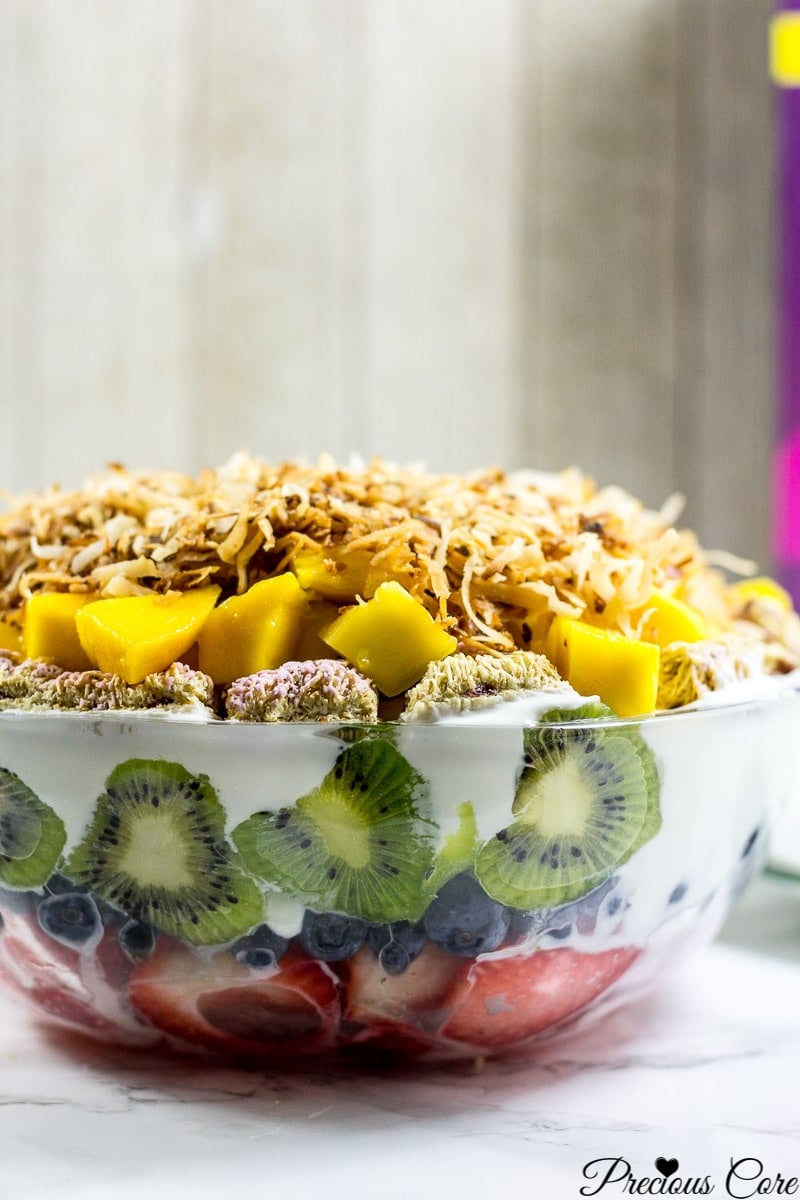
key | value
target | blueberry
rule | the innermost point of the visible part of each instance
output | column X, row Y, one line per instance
column 260, row 949
column 58, row 884
column 396, row 945
column 137, row 939
column 332, row 936
column 72, row 918
column 524, row 924
column 560, row 932
column 463, row 920
column 584, row 913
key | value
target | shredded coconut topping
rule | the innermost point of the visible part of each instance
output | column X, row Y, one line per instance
column 480, row 551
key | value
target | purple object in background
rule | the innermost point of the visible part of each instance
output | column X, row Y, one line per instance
column 786, row 465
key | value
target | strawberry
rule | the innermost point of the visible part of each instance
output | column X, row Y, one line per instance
column 501, row 1002
column 401, row 1012
column 218, row 1003
column 84, row 988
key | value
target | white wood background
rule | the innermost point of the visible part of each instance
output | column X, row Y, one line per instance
column 459, row 231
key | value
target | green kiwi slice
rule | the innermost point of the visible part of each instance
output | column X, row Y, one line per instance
column 586, row 800
column 32, row 836
column 457, row 854
column 357, row 844
column 156, row 849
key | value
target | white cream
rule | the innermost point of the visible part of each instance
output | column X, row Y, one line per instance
column 725, row 769
column 517, row 709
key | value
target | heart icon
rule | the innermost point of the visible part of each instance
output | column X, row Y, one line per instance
column 667, row 1166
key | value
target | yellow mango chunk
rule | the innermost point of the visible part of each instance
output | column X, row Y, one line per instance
column 623, row 672
column 391, row 638
column 332, row 573
column 253, row 632
column 671, row 620
column 50, row 631
column 762, row 588
column 530, row 632
column 132, row 636
column 10, row 637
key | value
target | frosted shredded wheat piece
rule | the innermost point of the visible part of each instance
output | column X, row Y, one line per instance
column 690, row 670
column 779, row 630
column 33, row 685
column 320, row 690
column 462, row 681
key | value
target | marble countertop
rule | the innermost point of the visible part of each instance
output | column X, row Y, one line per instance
column 705, row 1072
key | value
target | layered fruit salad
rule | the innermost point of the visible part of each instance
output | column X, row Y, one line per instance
column 304, row 758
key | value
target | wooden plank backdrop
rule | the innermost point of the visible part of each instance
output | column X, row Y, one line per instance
column 451, row 231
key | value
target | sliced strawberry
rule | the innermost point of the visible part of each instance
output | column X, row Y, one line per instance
column 215, row 1002
column 503, row 1001
column 84, row 988
column 400, row 1011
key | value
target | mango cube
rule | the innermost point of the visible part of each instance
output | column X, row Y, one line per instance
column 622, row 671
column 530, row 632
column 132, row 636
column 253, row 632
column 332, row 573
column 391, row 638
column 671, row 620
column 50, row 631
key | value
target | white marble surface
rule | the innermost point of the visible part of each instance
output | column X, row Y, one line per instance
column 704, row 1071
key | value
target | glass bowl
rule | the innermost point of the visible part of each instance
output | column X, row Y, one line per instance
column 459, row 888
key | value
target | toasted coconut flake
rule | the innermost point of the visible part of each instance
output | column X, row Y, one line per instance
column 45, row 552
column 672, row 508
column 136, row 568
column 237, row 537
column 476, row 550
column 87, row 555
column 121, row 585
column 115, row 528
column 731, row 562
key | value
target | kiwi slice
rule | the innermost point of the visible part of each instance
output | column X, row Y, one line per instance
column 458, row 851
column 357, row 844
column 586, row 800
column 156, row 849
column 32, row 836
